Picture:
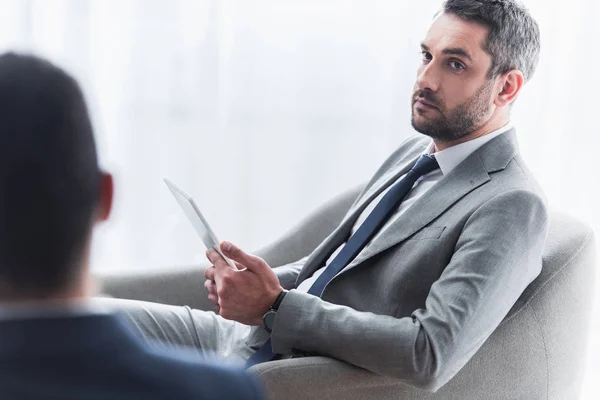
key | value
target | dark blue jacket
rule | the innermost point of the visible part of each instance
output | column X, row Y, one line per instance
column 99, row 357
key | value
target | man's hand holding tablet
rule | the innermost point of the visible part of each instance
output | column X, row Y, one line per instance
column 242, row 286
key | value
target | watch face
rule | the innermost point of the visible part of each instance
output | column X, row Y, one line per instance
column 269, row 320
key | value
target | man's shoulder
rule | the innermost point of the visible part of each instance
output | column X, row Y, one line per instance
column 184, row 373
column 515, row 177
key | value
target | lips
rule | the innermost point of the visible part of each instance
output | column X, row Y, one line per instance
column 425, row 102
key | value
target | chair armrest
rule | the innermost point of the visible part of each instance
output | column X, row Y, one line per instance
column 177, row 286
column 325, row 378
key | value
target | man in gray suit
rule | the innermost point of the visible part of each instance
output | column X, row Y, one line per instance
column 435, row 250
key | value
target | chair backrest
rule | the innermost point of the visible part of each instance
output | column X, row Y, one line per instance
column 540, row 346
column 561, row 300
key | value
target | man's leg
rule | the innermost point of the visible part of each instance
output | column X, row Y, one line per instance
column 175, row 326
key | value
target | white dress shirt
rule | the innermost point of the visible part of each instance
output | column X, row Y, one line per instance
column 447, row 159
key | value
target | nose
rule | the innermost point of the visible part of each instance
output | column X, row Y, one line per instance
column 428, row 77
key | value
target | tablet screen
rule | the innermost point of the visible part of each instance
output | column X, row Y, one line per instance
column 198, row 221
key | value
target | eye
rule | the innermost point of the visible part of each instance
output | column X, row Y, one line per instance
column 456, row 65
column 426, row 56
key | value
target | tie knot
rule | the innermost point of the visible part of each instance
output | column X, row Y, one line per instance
column 425, row 164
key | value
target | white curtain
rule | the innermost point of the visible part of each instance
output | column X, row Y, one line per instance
column 264, row 109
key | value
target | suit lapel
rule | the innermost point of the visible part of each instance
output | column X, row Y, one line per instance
column 466, row 177
column 341, row 233
column 381, row 184
column 450, row 189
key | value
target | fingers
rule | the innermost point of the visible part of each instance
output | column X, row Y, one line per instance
column 209, row 273
column 216, row 259
column 213, row 298
column 239, row 266
column 211, row 287
column 251, row 262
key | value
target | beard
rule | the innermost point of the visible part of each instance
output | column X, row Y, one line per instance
column 457, row 123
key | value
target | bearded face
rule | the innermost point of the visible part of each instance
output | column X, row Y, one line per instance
column 431, row 116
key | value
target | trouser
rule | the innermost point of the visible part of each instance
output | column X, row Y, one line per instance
column 176, row 326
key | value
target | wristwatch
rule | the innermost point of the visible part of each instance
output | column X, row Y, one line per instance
column 269, row 317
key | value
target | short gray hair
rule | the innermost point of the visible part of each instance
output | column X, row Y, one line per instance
column 514, row 36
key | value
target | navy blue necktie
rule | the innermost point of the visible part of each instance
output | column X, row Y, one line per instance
column 378, row 217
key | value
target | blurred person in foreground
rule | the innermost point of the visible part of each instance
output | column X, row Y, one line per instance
column 55, row 343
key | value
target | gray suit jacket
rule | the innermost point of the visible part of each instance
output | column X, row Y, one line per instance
column 420, row 300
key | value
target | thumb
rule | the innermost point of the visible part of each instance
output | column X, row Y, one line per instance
column 249, row 261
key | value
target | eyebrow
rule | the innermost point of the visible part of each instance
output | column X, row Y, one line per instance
column 454, row 51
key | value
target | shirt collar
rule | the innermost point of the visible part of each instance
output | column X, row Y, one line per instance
column 450, row 158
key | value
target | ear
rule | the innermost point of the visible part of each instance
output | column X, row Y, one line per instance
column 510, row 84
column 106, row 196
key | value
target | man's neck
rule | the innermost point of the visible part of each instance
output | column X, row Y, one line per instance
column 485, row 129
column 33, row 302
column 51, row 309
column 75, row 293
column 70, row 300
column 79, row 288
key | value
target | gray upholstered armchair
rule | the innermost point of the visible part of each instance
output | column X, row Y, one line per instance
column 538, row 351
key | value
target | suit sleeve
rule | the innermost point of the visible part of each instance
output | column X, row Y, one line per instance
column 288, row 274
column 497, row 255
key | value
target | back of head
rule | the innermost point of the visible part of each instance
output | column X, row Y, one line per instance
column 514, row 35
column 49, row 178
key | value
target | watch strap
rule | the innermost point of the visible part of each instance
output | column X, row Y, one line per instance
column 278, row 300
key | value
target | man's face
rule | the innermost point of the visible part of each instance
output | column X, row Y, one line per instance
column 453, row 95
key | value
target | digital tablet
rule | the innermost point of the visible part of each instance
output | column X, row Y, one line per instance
column 197, row 219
